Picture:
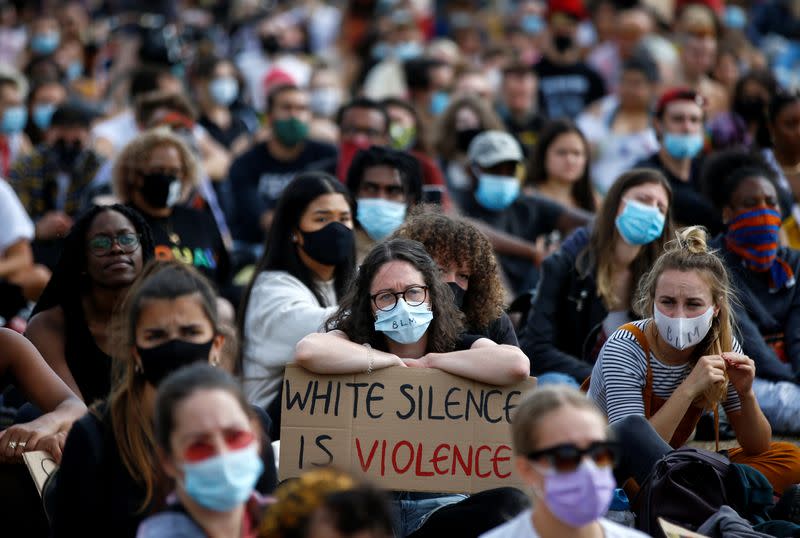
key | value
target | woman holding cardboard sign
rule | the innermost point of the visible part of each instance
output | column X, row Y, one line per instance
column 400, row 313
column 668, row 368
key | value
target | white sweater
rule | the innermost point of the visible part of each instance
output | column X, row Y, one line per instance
column 281, row 311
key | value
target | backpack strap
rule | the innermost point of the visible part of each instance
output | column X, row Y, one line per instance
column 641, row 338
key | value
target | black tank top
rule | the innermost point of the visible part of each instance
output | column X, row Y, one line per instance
column 89, row 365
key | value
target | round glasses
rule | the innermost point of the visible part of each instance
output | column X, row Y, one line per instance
column 101, row 244
column 387, row 300
column 567, row 457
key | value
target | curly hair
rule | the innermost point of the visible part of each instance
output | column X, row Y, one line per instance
column 454, row 241
column 138, row 152
column 355, row 317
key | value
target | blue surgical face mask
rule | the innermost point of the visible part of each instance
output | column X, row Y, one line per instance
column 532, row 23
column 404, row 324
column 14, row 120
column 74, row 70
column 639, row 224
column 683, row 146
column 46, row 43
column 42, row 114
column 734, row 17
column 222, row 482
column 380, row 217
column 439, row 102
column 496, row 193
column 224, row 90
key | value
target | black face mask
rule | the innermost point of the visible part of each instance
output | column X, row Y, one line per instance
column 66, row 153
column 562, row 42
column 158, row 191
column 331, row 245
column 750, row 108
column 458, row 294
column 270, row 44
column 160, row 361
column 465, row 136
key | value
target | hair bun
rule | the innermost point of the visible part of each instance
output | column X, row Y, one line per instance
column 692, row 238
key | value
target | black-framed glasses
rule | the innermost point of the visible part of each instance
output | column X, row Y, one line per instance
column 101, row 244
column 412, row 295
column 567, row 457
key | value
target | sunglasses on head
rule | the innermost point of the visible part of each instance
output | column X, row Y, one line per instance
column 567, row 457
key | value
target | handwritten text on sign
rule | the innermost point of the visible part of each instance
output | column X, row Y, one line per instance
column 403, row 428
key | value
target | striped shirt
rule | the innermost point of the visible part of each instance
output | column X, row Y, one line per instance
column 620, row 374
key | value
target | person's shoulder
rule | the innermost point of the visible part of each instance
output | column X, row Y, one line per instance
column 268, row 282
column 613, row 529
column 790, row 256
column 651, row 161
column 169, row 523
column 322, row 149
column 519, row 527
column 51, row 320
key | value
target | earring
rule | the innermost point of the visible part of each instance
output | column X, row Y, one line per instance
column 215, row 360
column 137, row 368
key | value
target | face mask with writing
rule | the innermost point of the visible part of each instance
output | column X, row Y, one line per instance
column 682, row 333
column 404, row 324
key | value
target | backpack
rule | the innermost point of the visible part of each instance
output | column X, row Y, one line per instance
column 686, row 487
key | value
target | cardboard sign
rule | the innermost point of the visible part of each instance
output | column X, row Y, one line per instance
column 41, row 465
column 671, row 530
column 401, row 428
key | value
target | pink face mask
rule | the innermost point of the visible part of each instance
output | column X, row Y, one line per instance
column 579, row 497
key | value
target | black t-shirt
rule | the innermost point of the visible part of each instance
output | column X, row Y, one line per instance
column 499, row 331
column 191, row 236
column 257, row 180
column 228, row 136
column 527, row 218
column 525, row 130
column 565, row 90
column 689, row 206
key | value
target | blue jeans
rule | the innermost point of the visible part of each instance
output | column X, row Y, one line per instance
column 411, row 509
column 556, row 378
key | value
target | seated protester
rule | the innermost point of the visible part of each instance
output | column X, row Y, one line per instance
column 660, row 373
column 518, row 106
column 743, row 187
column 20, row 279
column 13, row 118
column 208, row 437
column 43, row 100
column 22, row 365
column 153, row 174
column 561, row 443
column 258, row 176
column 559, row 167
column 679, row 126
column 398, row 279
column 362, row 123
column 744, row 124
column 110, row 478
column 307, row 265
column 53, row 181
column 327, row 502
column 71, row 324
column 386, row 184
column 619, row 127
column 467, row 264
column 515, row 224
column 586, row 288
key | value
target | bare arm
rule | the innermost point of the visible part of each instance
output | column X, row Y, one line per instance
column 507, row 244
column 17, row 257
column 485, row 361
column 751, row 426
column 46, row 331
column 216, row 159
column 334, row 353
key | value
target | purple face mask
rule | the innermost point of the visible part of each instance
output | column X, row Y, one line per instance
column 579, row 497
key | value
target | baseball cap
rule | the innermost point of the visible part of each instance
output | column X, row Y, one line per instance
column 678, row 94
column 493, row 147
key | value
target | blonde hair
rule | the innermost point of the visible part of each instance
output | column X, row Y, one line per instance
column 689, row 252
column 535, row 407
column 138, row 152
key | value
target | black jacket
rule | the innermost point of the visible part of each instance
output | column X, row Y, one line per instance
column 566, row 315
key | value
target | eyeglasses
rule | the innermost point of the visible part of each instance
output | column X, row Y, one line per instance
column 387, row 300
column 101, row 244
column 567, row 457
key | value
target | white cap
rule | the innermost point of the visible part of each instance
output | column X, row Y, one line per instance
column 493, row 147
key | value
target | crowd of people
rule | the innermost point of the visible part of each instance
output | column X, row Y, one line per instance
column 602, row 194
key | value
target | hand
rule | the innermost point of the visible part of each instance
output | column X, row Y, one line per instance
column 18, row 439
column 708, row 371
column 414, row 363
column 741, row 371
column 53, row 444
column 542, row 249
column 53, row 224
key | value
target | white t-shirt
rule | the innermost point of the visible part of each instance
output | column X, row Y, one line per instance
column 15, row 224
column 522, row 527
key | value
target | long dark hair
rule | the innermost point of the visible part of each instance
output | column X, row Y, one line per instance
column 69, row 280
column 355, row 317
column 537, row 174
column 779, row 101
column 598, row 254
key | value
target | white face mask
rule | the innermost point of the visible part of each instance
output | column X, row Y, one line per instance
column 681, row 333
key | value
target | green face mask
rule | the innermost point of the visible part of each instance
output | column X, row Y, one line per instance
column 290, row 131
column 402, row 137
